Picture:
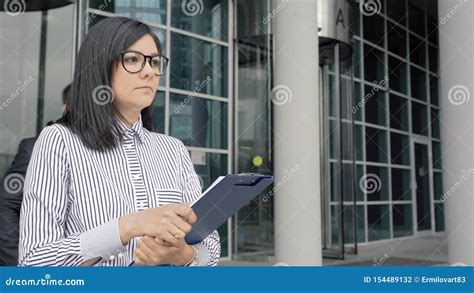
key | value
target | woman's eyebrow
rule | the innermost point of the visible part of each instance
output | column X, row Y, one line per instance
column 137, row 51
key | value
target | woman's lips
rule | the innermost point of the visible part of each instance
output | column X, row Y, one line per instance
column 145, row 88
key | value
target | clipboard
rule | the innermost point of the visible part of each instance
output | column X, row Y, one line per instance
column 224, row 198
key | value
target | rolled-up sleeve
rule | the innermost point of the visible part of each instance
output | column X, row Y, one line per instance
column 44, row 240
column 209, row 250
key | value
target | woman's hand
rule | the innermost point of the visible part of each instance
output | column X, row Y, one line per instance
column 169, row 223
column 151, row 252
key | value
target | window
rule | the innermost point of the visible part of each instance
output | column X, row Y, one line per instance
column 376, row 29
column 208, row 18
column 398, row 112
column 397, row 11
column 435, row 131
column 439, row 217
column 400, row 149
column 198, row 122
column 397, row 40
column 150, row 11
column 159, row 112
column 360, row 224
column 376, row 145
column 433, row 22
column 397, row 75
column 417, row 16
column 375, row 183
column 402, row 220
column 417, row 51
column 433, row 57
column 378, row 219
column 418, row 84
column 419, row 114
column 401, row 184
column 374, row 67
column 434, row 90
column 358, row 104
column 375, row 105
column 436, row 155
column 438, row 185
column 358, row 59
column 198, row 66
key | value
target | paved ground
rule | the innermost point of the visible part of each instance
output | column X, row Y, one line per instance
column 420, row 251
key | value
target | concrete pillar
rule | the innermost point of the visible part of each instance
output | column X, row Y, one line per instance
column 456, row 30
column 296, row 132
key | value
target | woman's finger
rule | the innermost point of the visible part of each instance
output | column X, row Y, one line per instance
column 170, row 236
column 181, row 225
column 139, row 257
column 148, row 247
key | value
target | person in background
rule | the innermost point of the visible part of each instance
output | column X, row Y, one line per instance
column 11, row 198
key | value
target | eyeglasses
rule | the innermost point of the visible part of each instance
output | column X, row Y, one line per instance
column 134, row 62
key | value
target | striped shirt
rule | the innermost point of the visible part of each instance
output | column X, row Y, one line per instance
column 74, row 196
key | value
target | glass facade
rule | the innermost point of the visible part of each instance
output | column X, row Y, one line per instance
column 398, row 45
column 36, row 53
column 216, row 99
column 253, row 224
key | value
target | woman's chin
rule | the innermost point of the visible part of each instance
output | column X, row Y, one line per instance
column 143, row 101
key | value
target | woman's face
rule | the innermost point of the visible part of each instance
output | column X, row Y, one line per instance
column 135, row 91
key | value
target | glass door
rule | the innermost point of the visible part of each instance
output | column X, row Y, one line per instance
column 421, row 175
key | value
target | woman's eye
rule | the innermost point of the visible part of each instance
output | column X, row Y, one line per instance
column 155, row 63
column 131, row 59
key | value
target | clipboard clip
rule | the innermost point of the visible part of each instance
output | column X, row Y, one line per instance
column 249, row 174
column 253, row 181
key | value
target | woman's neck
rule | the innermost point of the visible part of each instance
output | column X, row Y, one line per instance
column 129, row 118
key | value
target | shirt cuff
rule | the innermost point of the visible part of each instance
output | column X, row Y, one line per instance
column 103, row 241
column 203, row 254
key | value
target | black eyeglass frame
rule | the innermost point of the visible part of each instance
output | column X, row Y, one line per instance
column 145, row 58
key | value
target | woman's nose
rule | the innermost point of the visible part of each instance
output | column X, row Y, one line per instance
column 147, row 70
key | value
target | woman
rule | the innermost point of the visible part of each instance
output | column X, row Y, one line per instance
column 101, row 187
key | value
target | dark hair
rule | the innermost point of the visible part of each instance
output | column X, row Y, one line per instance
column 66, row 93
column 95, row 123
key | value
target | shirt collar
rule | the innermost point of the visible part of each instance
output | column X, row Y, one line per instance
column 136, row 129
